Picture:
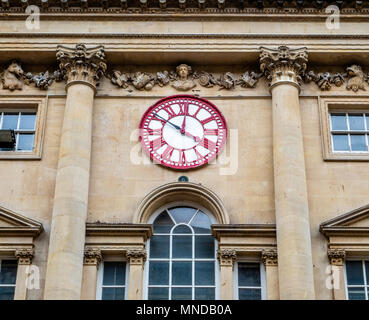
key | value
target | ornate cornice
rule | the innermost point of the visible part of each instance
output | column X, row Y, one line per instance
column 270, row 257
column 283, row 65
column 336, row 256
column 92, row 257
column 136, row 256
column 226, row 257
column 24, row 256
column 81, row 64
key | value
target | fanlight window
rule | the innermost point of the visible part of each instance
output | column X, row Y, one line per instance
column 182, row 256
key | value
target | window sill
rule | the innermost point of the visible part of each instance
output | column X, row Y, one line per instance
column 14, row 155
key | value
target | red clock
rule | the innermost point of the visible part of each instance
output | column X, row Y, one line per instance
column 183, row 131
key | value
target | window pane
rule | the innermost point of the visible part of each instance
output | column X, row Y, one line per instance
column 158, row 294
column 367, row 121
column 113, row 294
column 182, row 247
column 114, row 273
column 356, row 121
column 249, row 294
column 27, row 121
column 249, row 275
column 204, row 273
column 354, row 271
column 7, row 293
column 181, row 293
column 159, row 272
column 182, row 229
column 204, row 247
column 356, row 293
column 8, row 271
column 10, row 121
column 25, row 141
column 339, row 122
column 163, row 223
column 367, row 272
column 204, row 293
column 159, row 247
column 182, row 273
column 358, row 142
column 182, row 214
column 340, row 142
column 201, row 223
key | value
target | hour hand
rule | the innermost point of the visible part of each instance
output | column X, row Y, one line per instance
column 172, row 124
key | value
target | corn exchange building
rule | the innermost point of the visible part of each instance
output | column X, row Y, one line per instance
column 184, row 149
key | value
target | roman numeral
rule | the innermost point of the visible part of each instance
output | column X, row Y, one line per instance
column 170, row 111
column 208, row 144
column 211, row 132
column 182, row 157
column 197, row 111
column 167, row 153
column 158, row 119
column 183, row 108
column 157, row 143
column 153, row 132
column 207, row 120
column 198, row 154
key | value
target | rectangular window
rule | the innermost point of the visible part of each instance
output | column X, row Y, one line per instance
column 357, row 280
column 8, row 275
column 349, row 132
column 249, row 281
column 113, row 277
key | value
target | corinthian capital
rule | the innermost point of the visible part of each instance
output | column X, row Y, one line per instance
column 92, row 257
column 24, row 256
column 336, row 256
column 81, row 64
column 136, row 256
column 270, row 257
column 283, row 65
column 227, row 257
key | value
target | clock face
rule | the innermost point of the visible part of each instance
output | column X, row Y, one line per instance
column 183, row 131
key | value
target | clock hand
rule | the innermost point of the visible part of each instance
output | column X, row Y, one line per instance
column 174, row 125
column 184, row 124
column 197, row 139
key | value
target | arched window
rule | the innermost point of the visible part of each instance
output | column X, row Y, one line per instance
column 181, row 262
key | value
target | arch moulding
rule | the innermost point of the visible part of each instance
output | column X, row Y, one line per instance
column 181, row 191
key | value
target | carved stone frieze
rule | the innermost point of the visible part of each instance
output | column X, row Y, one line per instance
column 12, row 77
column 283, row 65
column 43, row 80
column 356, row 79
column 336, row 256
column 92, row 257
column 82, row 64
column 24, row 256
column 270, row 257
column 226, row 257
column 136, row 256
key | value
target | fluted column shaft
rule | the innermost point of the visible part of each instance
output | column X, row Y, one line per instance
column 82, row 68
column 283, row 68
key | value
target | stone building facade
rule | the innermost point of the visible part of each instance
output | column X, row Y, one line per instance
column 286, row 199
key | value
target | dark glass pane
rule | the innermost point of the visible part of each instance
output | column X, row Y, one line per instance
column 339, row 122
column 204, row 293
column 182, row 229
column 181, row 293
column 201, row 223
column 356, row 121
column 27, row 121
column 249, row 275
column 249, row 294
column 8, row 271
column 163, row 223
column 182, row 273
column 204, row 247
column 367, row 272
column 182, row 247
column 112, row 294
column 204, row 273
column 182, row 214
column 358, row 142
column 367, row 121
column 159, row 273
column 356, row 294
column 354, row 270
column 340, row 142
column 158, row 294
column 10, row 121
column 114, row 273
column 7, row 293
column 25, row 141
column 159, row 247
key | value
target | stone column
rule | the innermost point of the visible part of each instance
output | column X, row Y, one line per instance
column 226, row 258
column 82, row 68
column 283, row 68
column 24, row 257
column 91, row 262
column 337, row 258
column 270, row 260
column 136, row 259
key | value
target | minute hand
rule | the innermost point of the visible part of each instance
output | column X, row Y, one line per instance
column 172, row 124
